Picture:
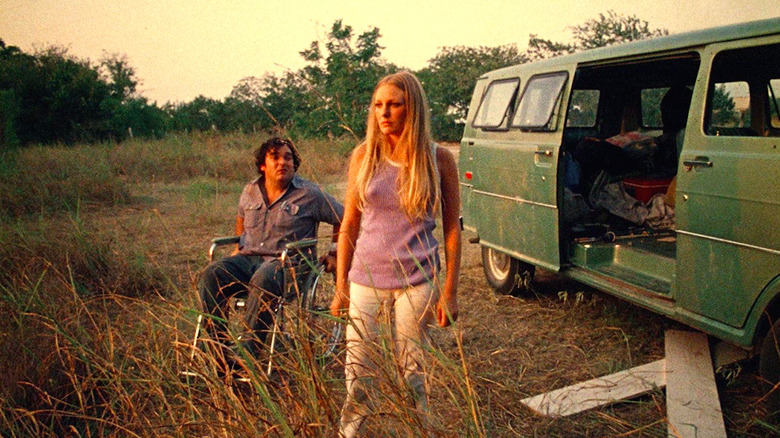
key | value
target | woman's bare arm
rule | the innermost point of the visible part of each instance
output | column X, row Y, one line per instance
column 447, row 309
column 350, row 227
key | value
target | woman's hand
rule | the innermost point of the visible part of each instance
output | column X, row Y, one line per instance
column 446, row 310
column 339, row 305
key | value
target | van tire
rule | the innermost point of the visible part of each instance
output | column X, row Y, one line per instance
column 506, row 274
column 769, row 366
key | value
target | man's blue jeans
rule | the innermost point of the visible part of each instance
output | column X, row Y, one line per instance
column 261, row 278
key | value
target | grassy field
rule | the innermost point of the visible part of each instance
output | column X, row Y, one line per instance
column 103, row 248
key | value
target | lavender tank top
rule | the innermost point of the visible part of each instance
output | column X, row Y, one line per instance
column 392, row 252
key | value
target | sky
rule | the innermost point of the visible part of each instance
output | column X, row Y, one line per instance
column 184, row 48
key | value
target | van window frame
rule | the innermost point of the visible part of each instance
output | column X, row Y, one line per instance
column 756, row 79
column 774, row 103
column 556, row 102
column 501, row 126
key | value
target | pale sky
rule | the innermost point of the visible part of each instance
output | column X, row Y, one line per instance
column 183, row 48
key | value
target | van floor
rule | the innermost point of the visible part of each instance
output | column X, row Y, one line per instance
column 665, row 244
column 646, row 261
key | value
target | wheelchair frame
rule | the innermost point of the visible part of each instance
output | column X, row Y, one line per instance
column 295, row 261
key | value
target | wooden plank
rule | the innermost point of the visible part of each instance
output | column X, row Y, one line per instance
column 692, row 404
column 727, row 354
column 599, row 391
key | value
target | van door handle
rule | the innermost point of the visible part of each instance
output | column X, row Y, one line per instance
column 546, row 153
column 697, row 162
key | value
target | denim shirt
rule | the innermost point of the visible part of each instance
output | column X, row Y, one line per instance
column 294, row 216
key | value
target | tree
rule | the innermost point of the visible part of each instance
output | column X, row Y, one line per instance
column 539, row 48
column 449, row 80
column 136, row 115
column 13, row 63
column 198, row 115
column 343, row 79
column 51, row 96
column 116, row 71
column 606, row 30
column 613, row 28
column 272, row 100
column 130, row 114
column 68, row 105
column 724, row 112
column 329, row 96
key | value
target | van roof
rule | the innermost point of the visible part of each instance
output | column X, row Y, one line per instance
column 663, row 44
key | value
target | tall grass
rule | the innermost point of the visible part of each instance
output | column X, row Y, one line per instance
column 47, row 179
column 120, row 377
column 94, row 332
column 53, row 274
column 224, row 157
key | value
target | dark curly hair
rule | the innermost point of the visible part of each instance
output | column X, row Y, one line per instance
column 272, row 144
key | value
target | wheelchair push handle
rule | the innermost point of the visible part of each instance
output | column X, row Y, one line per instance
column 221, row 241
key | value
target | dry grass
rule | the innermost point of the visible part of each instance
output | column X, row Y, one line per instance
column 98, row 307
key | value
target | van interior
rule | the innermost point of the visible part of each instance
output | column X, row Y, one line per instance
column 624, row 130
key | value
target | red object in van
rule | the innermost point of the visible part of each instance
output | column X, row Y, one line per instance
column 644, row 188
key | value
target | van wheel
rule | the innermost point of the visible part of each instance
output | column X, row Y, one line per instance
column 505, row 274
column 769, row 365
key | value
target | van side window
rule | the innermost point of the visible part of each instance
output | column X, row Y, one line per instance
column 774, row 103
column 494, row 107
column 583, row 109
column 650, row 101
column 742, row 93
column 541, row 97
column 730, row 109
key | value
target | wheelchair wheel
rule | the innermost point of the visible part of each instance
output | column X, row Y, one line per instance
column 325, row 331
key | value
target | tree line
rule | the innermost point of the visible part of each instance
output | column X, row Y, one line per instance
column 53, row 97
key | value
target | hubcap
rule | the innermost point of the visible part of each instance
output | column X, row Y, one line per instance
column 498, row 264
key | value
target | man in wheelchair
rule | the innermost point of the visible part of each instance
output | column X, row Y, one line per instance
column 277, row 208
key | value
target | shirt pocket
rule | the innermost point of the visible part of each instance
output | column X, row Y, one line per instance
column 289, row 215
column 253, row 215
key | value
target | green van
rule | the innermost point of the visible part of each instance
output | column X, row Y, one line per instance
column 648, row 170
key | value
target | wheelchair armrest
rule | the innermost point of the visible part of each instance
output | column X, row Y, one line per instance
column 221, row 241
column 298, row 244
column 298, row 247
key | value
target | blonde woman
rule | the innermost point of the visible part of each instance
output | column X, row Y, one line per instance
column 388, row 261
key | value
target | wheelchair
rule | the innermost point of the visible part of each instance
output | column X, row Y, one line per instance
column 301, row 318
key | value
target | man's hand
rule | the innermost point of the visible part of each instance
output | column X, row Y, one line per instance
column 446, row 310
column 330, row 263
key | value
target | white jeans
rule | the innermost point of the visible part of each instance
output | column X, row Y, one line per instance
column 372, row 310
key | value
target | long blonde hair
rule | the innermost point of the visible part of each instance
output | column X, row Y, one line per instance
column 417, row 181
